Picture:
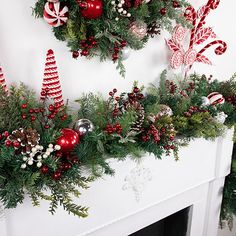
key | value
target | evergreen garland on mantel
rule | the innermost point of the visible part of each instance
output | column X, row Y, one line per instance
column 44, row 150
column 109, row 28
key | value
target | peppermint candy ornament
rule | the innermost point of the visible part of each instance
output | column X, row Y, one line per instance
column 190, row 57
column 179, row 34
column 176, row 60
column 216, row 98
column 55, row 14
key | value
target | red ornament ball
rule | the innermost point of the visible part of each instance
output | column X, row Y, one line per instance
column 68, row 140
column 91, row 9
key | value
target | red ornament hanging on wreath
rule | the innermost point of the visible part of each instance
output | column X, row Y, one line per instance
column 68, row 140
column 91, row 9
column 55, row 13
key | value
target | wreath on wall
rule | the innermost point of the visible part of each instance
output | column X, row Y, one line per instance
column 109, row 29
column 44, row 148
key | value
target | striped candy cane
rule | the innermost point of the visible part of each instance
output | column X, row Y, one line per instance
column 219, row 50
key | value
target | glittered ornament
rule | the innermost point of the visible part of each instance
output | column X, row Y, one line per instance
column 164, row 111
column 55, row 13
column 83, row 126
column 205, row 101
column 125, row 53
column 68, row 140
column 138, row 29
column 220, row 117
column 91, row 9
column 216, row 98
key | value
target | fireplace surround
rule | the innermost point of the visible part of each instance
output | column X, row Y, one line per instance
column 139, row 195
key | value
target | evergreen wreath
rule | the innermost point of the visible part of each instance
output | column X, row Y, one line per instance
column 107, row 28
column 44, row 150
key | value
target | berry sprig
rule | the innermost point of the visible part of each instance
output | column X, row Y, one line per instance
column 86, row 46
column 117, row 48
column 192, row 110
column 121, row 8
column 65, row 163
column 111, row 129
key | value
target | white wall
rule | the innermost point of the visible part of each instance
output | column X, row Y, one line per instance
column 24, row 42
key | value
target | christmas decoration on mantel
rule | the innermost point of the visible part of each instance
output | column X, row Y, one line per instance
column 199, row 34
column 107, row 28
column 44, row 152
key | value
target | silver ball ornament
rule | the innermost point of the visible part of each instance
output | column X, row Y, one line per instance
column 221, row 117
column 205, row 101
column 125, row 53
column 83, row 126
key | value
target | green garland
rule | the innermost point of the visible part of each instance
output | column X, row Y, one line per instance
column 106, row 35
column 127, row 124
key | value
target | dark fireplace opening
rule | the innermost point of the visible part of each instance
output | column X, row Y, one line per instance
column 173, row 225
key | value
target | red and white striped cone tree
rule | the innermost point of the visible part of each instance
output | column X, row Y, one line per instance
column 2, row 80
column 51, row 87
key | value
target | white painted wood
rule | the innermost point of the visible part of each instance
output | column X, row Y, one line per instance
column 174, row 185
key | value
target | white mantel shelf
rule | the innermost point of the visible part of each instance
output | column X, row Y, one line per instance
column 167, row 186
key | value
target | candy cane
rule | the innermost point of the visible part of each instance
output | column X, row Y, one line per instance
column 211, row 5
column 193, row 15
column 219, row 50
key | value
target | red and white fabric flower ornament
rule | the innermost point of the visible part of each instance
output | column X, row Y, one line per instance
column 55, row 13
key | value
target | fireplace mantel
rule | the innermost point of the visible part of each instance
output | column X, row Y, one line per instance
column 138, row 195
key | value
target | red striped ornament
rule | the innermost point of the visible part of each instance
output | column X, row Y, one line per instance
column 216, row 98
column 2, row 80
column 55, row 13
column 51, row 84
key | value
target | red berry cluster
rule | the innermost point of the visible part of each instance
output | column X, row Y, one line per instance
column 135, row 96
column 116, row 100
column 171, row 86
column 117, row 49
column 231, row 99
column 86, row 45
column 7, row 142
column 192, row 110
column 110, row 129
column 64, row 166
column 48, row 113
column 163, row 11
column 152, row 133
column 176, row 4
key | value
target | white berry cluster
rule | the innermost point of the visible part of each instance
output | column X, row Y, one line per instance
column 119, row 7
column 37, row 155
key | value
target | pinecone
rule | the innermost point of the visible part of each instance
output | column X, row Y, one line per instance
column 153, row 29
column 140, row 114
column 27, row 138
column 137, row 125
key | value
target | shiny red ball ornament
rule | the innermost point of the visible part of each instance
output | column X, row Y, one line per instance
column 91, row 9
column 68, row 140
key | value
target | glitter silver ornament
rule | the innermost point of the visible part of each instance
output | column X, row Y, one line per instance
column 83, row 126
column 126, row 53
column 221, row 117
column 138, row 29
column 164, row 111
column 205, row 101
